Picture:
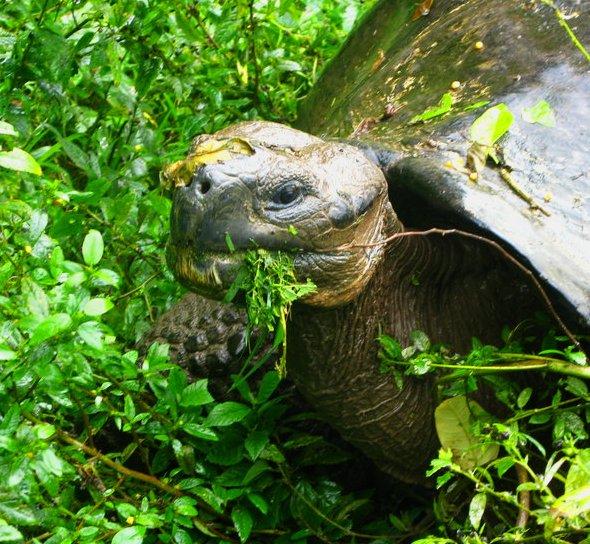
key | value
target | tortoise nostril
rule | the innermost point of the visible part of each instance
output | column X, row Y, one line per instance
column 204, row 186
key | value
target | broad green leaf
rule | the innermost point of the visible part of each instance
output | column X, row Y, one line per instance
column 243, row 522
column 200, row 432
column 540, row 113
column 92, row 247
column 52, row 462
column 6, row 354
column 50, row 327
column 258, row 502
column 97, row 306
column 453, row 419
column 255, row 443
column 270, row 381
column 477, row 507
column 524, row 397
column 226, row 413
column 19, row 160
column 129, row 535
column 573, row 504
column 91, row 333
column 185, row 506
column 8, row 533
column 7, row 129
column 487, row 129
column 195, row 394
column 44, row 430
column 444, row 105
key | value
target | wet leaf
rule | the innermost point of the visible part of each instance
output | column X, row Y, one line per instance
column 50, row 327
column 487, row 129
column 444, row 105
column 243, row 522
column 540, row 113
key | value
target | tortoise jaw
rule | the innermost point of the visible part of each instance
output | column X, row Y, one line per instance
column 207, row 274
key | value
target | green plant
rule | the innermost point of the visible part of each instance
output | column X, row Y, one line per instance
column 519, row 489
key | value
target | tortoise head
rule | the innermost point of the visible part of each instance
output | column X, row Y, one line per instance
column 264, row 185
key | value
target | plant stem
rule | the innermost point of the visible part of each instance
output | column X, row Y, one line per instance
column 567, row 28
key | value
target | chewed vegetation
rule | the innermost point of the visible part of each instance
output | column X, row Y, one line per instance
column 99, row 446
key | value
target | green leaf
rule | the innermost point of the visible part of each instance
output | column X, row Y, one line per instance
column 226, row 413
column 19, row 160
column 8, row 533
column 524, row 397
column 540, row 113
column 576, row 386
column 6, row 354
column 444, row 105
column 487, row 129
column 243, row 522
column 92, row 248
column 477, row 507
column 129, row 535
column 454, row 418
column 185, row 506
column 270, row 381
column 98, row 306
column 200, row 432
column 129, row 408
column 196, row 394
column 7, row 129
column 91, row 333
column 50, row 327
column 258, row 502
column 255, row 443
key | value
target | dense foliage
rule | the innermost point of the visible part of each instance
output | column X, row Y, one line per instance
column 96, row 446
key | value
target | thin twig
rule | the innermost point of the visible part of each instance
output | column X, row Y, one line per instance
column 125, row 471
column 567, row 28
column 507, row 177
column 495, row 245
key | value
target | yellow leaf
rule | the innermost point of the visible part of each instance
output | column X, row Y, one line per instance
column 210, row 151
column 454, row 418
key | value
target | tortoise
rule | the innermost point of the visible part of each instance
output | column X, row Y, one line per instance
column 372, row 171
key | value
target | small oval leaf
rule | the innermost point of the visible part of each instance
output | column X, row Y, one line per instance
column 92, row 248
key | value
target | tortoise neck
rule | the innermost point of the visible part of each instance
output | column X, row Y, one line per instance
column 448, row 287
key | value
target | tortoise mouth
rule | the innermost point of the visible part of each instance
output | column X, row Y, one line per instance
column 209, row 274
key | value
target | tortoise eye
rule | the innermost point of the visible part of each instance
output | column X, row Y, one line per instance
column 286, row 195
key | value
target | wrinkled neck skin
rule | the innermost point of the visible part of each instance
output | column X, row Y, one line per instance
column 420, row 285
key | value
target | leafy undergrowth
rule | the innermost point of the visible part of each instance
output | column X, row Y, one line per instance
column 94, row 99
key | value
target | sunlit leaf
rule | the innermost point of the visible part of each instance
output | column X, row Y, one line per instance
column 19, row 160
column 129, row 535
column 50, row 327
column 92, row 248
column 98, row 306
column 477, row 507
column 540, row 113
column 487, row 129
column 444, row 105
